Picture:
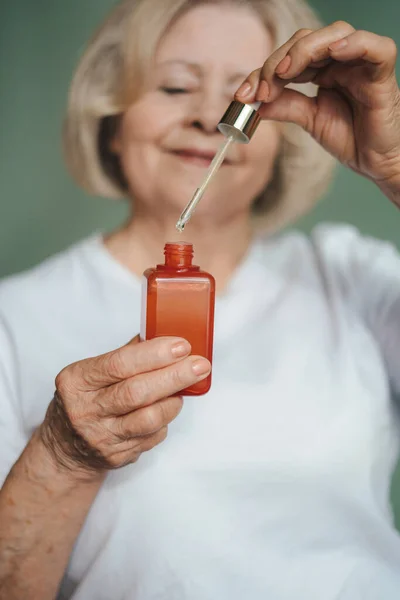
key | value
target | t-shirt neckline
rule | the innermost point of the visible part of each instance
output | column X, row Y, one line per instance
column 117, row 269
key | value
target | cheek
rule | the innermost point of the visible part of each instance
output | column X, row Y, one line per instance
column 261, row 154
column 258, row 159
column 264, row 147
column 148, row 122
column 144, row 128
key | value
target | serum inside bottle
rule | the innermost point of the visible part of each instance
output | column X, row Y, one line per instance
column 179, row 300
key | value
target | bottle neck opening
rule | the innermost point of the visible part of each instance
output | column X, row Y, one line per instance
column 179, row 254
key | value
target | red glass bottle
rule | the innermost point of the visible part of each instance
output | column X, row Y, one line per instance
column 179, row 300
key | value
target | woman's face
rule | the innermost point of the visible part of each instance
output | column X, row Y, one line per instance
column 169, row 136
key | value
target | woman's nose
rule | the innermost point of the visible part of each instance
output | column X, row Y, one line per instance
column 207, row 113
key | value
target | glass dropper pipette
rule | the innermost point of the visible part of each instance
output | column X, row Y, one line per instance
column 212, row 171
column 238, row 124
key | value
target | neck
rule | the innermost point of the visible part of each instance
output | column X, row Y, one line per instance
column 218, row 248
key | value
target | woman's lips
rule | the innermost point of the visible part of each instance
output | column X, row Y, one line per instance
column 197, row 157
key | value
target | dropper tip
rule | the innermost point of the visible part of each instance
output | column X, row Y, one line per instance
column 180, row 226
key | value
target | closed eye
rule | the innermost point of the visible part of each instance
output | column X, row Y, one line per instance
column 172, row 90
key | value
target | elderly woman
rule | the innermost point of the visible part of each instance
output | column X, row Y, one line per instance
column 274, row 485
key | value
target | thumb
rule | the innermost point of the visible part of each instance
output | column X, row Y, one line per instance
column 291, row 106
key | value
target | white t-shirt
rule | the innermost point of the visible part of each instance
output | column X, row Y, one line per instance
column 275, row 485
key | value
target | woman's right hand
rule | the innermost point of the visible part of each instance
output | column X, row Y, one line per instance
column 108, row 410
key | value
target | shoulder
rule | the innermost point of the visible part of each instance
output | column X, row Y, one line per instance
column 342, row 242
column 360, row 259
column 333, row 256
column 333, row 239
column 44, row 307
column 39, row 310
column 42, row 312
column 57, row 279
column 336, row 246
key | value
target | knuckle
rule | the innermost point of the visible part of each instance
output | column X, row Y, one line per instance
column 300, row 33
column 121, row 427
column 113, row 364
column 135, row 446
column 114, row 461
column 173, row 408
column 265, row 72
column 102, row 404
column 99, row 441
column 392, row 46
column 158, row 349
column 301, row 45
column 121, row 430
column 340, row 24
column 64, row 381
column 179, row 376
column 102, row 433
column 161, row 410
column 154, row 349
column 136, row 392
column 162, row 434
column 162, row 351
column 155, row 439
column 177, row 404
column 153, row 419
column 255, row 74
column 74, row 419
column 362, row 36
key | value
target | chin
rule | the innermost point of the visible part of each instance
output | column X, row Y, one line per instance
column 173, row 198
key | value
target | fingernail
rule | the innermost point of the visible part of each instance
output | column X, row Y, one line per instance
column 180, row 349
column 338, row 45
column 201, row 367
column 284, row 65
column 244, row 89
column 262, row 92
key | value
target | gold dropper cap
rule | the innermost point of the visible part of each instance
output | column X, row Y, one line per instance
column 240, row 121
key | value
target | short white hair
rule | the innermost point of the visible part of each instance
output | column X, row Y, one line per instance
column 110, row 76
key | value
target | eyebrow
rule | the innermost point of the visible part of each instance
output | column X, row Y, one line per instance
column 197, row 68
column 185, row 63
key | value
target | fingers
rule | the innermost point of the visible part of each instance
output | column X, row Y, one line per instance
column 130, row 435
column 375, row 49
column 253, row 88
column 249, row 87
column 311, row 49
column 132, row 359
column 306, row 51
column 304, row 57
column 129, row 451
column 147, row 388
column 270, row 86
column 148, row 420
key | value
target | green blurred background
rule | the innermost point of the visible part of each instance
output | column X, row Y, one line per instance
column 42, row 211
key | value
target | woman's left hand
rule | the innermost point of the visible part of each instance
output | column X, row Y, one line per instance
column 356, row 114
